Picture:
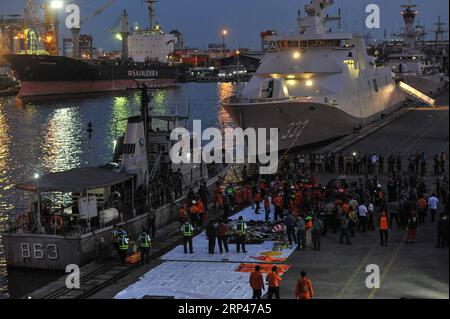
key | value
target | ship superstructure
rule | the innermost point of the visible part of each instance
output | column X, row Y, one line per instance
column 412, row 65
column 315, row 85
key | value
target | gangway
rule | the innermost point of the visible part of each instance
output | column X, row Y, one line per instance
column 408, row 89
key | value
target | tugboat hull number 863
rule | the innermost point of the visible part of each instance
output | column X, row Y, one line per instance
column 39, row 251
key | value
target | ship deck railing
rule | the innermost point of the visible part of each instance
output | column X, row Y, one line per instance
column 15, row 224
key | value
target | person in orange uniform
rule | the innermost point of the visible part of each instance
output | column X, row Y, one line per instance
column 193, row 212
column 278, row 204
column 273, row 280
column 257, row 283
column 384, row 228
column 304, row 288
column 421, row 209
column 200, row 212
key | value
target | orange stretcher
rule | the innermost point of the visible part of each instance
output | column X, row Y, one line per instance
column 134, row 259
column 270, row 259
column 265, row 268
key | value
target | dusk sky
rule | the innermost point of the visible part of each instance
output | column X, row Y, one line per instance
column 200, row 21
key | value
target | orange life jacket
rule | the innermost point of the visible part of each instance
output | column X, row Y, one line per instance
column 383, row 223
column 309, row 224
column 200, row 207
column 194, row 209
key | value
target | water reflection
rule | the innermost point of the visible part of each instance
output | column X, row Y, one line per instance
column 61, row 140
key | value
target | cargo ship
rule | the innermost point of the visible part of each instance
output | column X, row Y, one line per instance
column 48, row 76
column 145, row 58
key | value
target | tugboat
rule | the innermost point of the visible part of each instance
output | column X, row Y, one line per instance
column 316, row 85
column 73, row 212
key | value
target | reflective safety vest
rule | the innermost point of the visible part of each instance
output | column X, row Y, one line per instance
column 241, row 227
column 123, row 243
column 383, row 223
column 229, row 191
column 115, row 236
column 144, row 241
column 187, row 230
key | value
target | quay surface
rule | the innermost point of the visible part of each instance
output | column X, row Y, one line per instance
column 338, row 271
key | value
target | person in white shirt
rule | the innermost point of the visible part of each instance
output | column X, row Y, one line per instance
column 362, row 214
column 433, row 205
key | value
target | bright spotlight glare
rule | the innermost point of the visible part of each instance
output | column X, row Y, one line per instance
column 56, row 4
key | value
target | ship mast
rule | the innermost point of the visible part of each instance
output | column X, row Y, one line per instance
column 316, row 19
column 409, row 16
column 151, row 13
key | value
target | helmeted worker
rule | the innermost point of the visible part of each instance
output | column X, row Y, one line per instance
column 230, row 192
column 123, row 247
column 257, row 283
column 145, row 246
column 273, row 280
column 304, row 288
column 188, row 232
column 384, row 229
column 241, row 230
column 193, row 212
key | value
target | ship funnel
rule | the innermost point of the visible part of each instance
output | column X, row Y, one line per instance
column 134, row 151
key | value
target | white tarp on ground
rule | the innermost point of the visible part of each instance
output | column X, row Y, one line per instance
column 201, row 275
column 249, row 214
column 188, row 280
column 200, row 244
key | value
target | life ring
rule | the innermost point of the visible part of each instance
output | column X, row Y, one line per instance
column 23, row 219
column 59, row 221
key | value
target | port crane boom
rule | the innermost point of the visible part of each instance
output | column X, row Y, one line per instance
column 76, row 31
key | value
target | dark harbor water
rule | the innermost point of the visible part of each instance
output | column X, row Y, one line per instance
column 52, row 136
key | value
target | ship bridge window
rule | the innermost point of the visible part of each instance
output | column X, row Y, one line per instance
column 129, row 148
column 282, row 44
column 313, row 43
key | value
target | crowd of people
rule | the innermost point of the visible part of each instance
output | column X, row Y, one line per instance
column 358, row 163
column 365, row 196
